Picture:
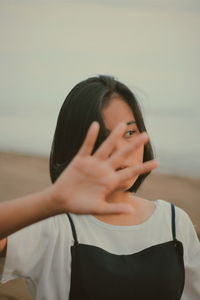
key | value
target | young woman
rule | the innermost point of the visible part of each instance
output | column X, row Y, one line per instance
column 151, row 253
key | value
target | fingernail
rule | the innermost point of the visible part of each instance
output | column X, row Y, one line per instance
column 157, row 162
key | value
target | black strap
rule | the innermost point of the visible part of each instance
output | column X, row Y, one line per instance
column 173, row 222
column 173, row 225
column 73, row 230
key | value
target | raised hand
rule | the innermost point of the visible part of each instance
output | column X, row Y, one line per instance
column 83, row 186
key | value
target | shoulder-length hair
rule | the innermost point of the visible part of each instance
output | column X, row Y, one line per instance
column 82, row 106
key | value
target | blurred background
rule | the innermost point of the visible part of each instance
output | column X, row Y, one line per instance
column 152, row 46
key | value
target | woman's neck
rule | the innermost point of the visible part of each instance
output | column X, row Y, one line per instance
column 142, row 209
column 120, row 196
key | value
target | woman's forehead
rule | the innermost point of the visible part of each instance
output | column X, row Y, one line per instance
column 116, row 111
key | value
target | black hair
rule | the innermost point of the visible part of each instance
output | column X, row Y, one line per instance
column 81, row 107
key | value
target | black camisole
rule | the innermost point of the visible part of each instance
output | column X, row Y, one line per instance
column 154, row 273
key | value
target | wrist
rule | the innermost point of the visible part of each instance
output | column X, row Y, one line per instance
column 48, row 203
column 56, row 202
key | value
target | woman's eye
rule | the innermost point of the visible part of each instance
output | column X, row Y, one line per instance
column 129, row 133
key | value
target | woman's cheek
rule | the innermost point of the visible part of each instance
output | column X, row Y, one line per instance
column 138, row 155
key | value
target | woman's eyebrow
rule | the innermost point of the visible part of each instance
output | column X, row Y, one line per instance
column 127, row 123
column 130, row 122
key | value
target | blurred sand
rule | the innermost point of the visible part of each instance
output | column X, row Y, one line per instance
column 21, row 174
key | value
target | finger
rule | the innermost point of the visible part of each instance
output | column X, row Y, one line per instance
column 114, row 208
column 90, row 139
column 109, row 144
column 118, row 157
column 145, row 167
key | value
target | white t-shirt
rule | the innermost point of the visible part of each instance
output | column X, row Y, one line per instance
column 41, row 252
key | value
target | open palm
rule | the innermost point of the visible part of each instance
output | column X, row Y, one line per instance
column 90, row 178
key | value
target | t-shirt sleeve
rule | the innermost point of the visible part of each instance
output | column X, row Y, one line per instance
column 191, row 245
column 31, row 251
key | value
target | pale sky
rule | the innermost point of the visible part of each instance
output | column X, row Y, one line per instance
column 153, row 46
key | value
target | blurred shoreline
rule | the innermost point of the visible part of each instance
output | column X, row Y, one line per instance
column 22, row 174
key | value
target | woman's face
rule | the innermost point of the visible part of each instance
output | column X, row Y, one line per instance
column 116, row 111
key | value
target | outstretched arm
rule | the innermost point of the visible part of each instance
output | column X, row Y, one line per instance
column 82, row 187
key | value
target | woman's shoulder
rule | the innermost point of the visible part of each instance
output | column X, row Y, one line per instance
column 163, row 209
column 181, row 216
column 166, row 206
column 185, row 229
